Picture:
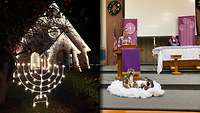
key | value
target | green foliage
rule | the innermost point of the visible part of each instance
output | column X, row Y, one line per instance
column 82, row 84
column 84, row 88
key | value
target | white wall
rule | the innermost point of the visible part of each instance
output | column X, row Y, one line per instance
column 103, row 24
column 158, row 17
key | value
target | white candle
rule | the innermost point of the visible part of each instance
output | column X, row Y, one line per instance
column 154, row 41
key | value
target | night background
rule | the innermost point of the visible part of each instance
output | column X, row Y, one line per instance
column 78, row 93
column 18, row 16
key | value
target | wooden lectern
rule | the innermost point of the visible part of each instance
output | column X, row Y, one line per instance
column 120, row 74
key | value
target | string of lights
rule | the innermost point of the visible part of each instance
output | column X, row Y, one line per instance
column 41, row 81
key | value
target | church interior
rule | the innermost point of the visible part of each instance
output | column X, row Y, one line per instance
column 163, row 50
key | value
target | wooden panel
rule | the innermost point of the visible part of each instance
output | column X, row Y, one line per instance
column 111, row 23
column 198, row 20
column 182, row 64
column 197, row 41
column 147, row 44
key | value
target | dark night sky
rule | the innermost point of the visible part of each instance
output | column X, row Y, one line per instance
column 86, row 20
column 16, row 16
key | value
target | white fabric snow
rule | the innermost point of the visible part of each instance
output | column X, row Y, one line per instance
column 116, row 88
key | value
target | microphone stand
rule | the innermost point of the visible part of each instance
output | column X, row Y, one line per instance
column 154, row 57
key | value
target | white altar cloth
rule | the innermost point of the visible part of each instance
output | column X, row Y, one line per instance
column 164, row 54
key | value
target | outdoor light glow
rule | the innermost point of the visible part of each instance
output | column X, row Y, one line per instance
column 27, row 82
column 19, row 83
column 34, row 104
column 47, row 104
column 42, row 84
column 54, row 86
column 18, row 64
column 33, row 87
column 18, row 75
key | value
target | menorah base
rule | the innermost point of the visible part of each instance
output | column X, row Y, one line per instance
column 42, row 98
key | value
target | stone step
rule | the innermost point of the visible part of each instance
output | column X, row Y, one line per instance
column 143, row 111
column 181, row 100
column 164, row 79
column 144, row 68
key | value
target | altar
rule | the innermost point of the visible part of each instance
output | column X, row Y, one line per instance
column 189, row 57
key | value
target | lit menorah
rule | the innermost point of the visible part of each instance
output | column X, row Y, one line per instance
column 41, row 81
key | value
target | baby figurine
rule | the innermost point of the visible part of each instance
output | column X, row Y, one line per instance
column 129, row 82
column 149, row 84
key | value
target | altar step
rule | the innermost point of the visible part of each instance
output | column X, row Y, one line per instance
column 191, row 80
column 172, row 100
column 145, row 68
column 142, row 111
column 170, row 87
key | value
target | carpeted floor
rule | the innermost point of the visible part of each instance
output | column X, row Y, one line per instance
column 187, row 100
column 182, row 93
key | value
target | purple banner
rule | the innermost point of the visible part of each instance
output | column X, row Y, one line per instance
column 131, row 25
column 186, row 25
column 130, row 59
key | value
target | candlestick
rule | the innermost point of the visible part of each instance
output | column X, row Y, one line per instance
column 154, row 41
